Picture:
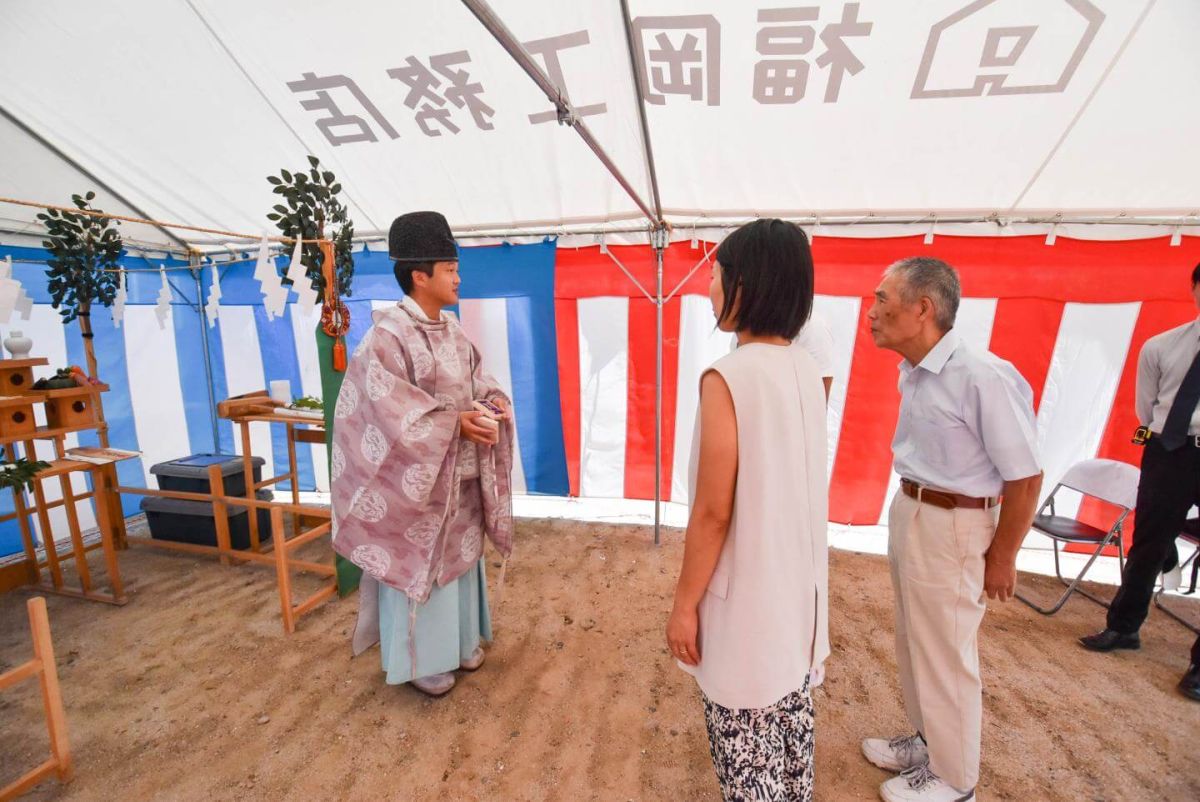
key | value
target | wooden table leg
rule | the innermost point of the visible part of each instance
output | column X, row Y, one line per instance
column 294, row 473
column 39, row 501
column 116, row 513
column 26, row 533
column 104, row 520
column 81, row 565
column 251, row 491
column 27, row 539
column 216, row 484
column 282, row 573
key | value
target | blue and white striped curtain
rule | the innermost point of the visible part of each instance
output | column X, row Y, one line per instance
column 159, row 401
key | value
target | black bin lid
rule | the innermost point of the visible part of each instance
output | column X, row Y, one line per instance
column 196, row 466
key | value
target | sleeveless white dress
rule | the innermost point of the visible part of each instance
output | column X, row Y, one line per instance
column 764, row 619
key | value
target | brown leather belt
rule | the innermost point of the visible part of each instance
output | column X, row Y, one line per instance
column 945, row 499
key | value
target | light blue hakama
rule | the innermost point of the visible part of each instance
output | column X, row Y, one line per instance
column 449, row 626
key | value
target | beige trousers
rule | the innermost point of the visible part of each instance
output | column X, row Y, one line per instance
column 936, row 558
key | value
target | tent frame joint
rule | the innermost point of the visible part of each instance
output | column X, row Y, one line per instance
column 660, row 236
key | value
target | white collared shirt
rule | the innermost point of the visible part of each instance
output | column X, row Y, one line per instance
column 966, row 421
column 1164, row 360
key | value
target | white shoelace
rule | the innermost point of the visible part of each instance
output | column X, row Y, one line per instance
column 905, row 746
column 919, row 777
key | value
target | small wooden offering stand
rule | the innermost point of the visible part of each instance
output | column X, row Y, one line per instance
column 280, row 544
column 259, row 407
column 245, row 410
column 68, row 410
column 41, row 666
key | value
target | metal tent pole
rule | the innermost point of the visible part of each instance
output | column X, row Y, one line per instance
column 197, row 269
column 658, row 239
column 555, row 94
column 659, row 235
column 635, row 64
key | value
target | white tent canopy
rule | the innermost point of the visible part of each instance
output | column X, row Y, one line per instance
column 946, row 109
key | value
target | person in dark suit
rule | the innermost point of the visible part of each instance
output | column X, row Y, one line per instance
column 1168, row 407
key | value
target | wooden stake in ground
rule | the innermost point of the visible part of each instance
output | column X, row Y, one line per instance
column 42, row 666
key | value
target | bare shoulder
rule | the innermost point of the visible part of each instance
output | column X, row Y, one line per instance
column 713, row 384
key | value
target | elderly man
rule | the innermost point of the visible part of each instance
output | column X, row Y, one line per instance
column 965, row 438
column 1168, row 408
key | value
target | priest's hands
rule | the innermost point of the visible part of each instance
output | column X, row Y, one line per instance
column 478, row 432
column 502, row 402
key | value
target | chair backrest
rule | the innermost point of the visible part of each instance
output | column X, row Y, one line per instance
column 1105, row 479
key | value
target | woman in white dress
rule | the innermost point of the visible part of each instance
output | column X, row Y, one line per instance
column 750, row 615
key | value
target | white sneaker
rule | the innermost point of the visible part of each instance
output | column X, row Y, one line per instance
column 896, row 754
column 920, row 784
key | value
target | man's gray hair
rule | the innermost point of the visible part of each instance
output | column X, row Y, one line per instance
column 923, row 276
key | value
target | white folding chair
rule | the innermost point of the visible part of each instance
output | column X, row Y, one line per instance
column 1104, row 479
column 1191, row 536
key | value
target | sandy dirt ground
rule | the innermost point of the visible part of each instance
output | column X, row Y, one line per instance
column 192, row 692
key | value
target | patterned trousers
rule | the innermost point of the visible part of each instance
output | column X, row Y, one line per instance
column 764, row 754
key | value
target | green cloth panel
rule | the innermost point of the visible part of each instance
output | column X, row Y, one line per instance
column 348, row 574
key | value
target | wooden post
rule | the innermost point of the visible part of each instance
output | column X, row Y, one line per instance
column 251, row 490
column 41, row 666
column 103, row 491
column 216, row 482
column 294, row 473
column 10, row 454
column 282, row 573
column 81, row 564
column 56, row 719
column 116, row 514
column 26, row 534
column 51, row 548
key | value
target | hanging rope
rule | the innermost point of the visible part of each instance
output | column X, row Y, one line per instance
column 169, row 268
column 159, row 223
column 335, row 317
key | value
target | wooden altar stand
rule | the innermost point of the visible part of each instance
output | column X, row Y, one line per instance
column 67, row 411
column 281, row 546
column 244, row 411
column 259, row 407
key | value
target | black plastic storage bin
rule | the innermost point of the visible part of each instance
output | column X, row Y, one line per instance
column 190, row 474
column 193, row 521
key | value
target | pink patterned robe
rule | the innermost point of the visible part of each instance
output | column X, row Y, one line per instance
column 398, row 460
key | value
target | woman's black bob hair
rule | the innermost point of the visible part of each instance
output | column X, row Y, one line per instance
column 767, row 273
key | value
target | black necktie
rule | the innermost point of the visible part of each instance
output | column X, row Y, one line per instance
column 1175, row 430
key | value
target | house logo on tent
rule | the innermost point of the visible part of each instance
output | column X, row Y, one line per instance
column 1007, row 47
